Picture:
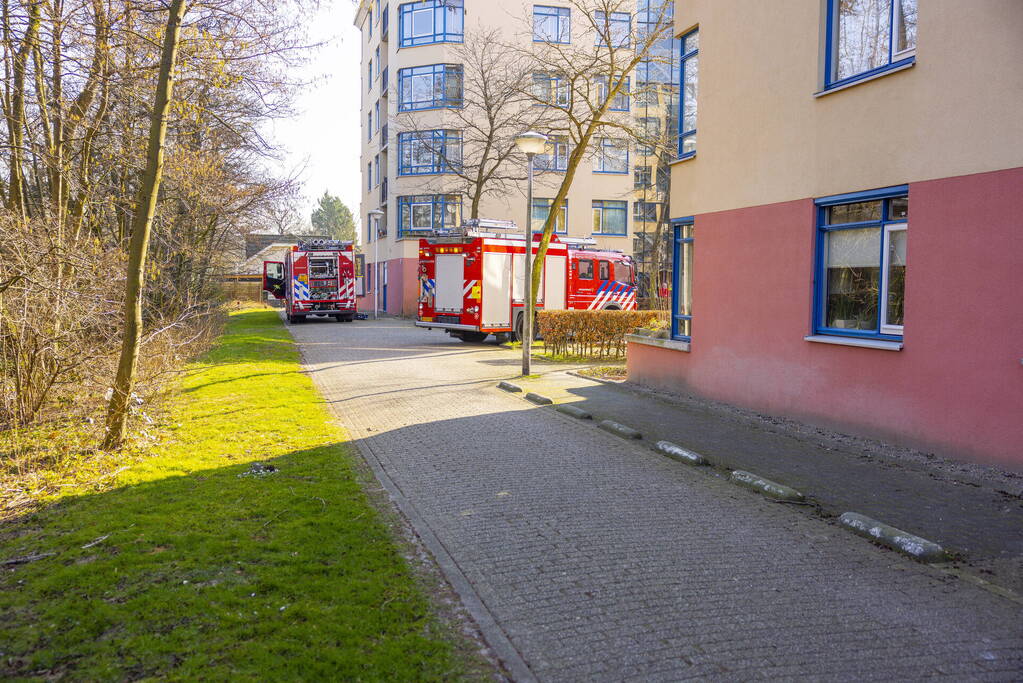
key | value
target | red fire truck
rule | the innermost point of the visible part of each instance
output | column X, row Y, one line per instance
column 316, row 278
column 471, row 279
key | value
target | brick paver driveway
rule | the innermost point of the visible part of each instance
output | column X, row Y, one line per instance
column 584, row 557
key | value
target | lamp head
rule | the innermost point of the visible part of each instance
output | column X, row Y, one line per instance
column 531, row 142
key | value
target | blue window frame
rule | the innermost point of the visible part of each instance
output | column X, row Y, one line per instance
column 433, row 86
column 621, row 101
column 551, row 91
column 610, row 217
column 612, row 156
column 555, row 156
column 617, row 27
column 425, row 212
column 369, row 126
column 552, row 24
column 431, row 21
column 860, row 264
column 542, row 209
column 429, row 152
column 689, row 78
column 868, row 37
column 376, row 113
column 682, row 280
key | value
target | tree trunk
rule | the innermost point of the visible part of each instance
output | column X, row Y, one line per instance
column 142, row 222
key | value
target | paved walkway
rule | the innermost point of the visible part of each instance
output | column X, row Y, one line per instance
column 584, row 557
column 974, row 512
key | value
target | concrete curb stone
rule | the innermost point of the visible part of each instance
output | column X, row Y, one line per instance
column 508, row 386
column 573, row 411
column 538, row 399
column 769, row 488
column 901, row 541
column 680, row 454
column 620, row 430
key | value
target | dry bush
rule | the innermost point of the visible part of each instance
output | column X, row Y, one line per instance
column 60, row 335
column 599, row 334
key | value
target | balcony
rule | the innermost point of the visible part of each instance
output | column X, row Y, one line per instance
column 384, row 25
column 383, row 191
column 383, row 137
column 384, row 83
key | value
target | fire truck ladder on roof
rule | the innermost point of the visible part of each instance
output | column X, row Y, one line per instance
column 322, row 245
column 477, row 227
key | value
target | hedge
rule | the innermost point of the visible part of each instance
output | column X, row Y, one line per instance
column 598, row 334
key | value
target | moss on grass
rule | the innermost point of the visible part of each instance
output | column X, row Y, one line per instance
column 199, row 570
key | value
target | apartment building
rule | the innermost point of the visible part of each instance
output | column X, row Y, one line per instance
column 847, row 209
column 411, row 70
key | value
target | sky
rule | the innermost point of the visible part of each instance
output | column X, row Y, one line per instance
column 322, row 140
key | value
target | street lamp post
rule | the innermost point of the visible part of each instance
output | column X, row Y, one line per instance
column 531, row 143
column 376, row 215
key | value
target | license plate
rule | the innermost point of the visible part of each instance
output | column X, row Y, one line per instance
column 429, row 318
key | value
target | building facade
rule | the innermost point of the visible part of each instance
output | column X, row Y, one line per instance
column 847, row 220
column 411, row 71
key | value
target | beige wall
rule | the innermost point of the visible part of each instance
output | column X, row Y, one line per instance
column 763, row 137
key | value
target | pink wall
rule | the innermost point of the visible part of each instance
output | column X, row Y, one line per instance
column 402, row 289
column 957, row 385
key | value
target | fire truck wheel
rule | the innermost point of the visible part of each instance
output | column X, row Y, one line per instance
column 473, row 337
column 519, row 322
column 612, row 307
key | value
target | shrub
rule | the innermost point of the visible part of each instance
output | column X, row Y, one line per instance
column 599, row 334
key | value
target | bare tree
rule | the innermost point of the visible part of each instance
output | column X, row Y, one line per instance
column 117, row 417
column 474, row 148
column 579, row 82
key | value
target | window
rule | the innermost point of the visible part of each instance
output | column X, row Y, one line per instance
column 551, row 90
column 542, row 209
column 645, row 211
column 621, row 100
column 603, row 270
column 376, row 113
column 612, row 156
column 428, row 212
column 585, row 269
column 682, row 281
column 617, row 26
column 610, row 217
column 376, row 169
column 429, row 151
column 868, row 37
column 689, row 78
column 377, row 56
column 430, row 21
column 861, row 264
column 552, row 24
column 369, row 76
column 654, row 25
column 369, row 176
column 430, row 87
column 555, row 156
column 643, row 177
column 369, row 126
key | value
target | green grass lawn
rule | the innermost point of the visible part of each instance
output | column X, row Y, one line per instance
column 206, row 572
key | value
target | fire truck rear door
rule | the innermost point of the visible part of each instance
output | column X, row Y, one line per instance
column 496, row 286
column 450, row 274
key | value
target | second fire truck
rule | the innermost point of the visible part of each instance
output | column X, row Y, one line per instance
column 472, row 280
column 315, row 278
